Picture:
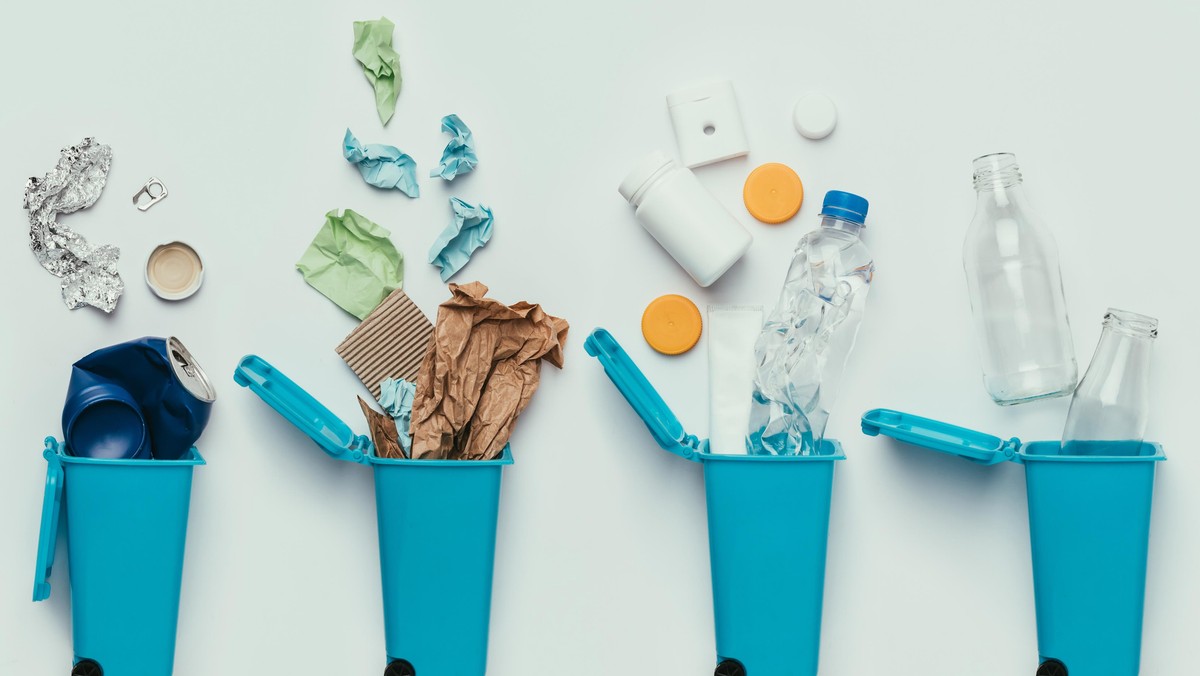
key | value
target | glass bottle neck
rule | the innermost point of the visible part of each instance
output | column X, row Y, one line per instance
column 1004, row 182
column 998, row 171
column 1121, row 349
column 997, row 181
column 1130, row 325
column 1003, row 195
column 1124, row 350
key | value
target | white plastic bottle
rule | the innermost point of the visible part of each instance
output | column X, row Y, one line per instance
column 685, row 218
column 1016, row 290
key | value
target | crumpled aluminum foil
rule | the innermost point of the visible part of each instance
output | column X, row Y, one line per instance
column 89, row 273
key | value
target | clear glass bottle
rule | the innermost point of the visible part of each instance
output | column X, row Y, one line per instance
column 1112, row 404
column 1016, row 291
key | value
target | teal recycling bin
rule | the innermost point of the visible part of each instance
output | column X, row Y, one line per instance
column 126, row 522
column 768, row 525
column 1089, row 531
column 437, row 536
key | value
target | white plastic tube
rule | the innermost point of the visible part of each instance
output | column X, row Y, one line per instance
column 732, row 331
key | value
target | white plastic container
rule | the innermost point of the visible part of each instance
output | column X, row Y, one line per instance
column 685, row 218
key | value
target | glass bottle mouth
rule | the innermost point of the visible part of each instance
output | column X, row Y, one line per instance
column 996, row 170
column 1131, row 323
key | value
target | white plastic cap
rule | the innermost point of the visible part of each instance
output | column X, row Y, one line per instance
column 174, row 271
column 815, row 116
column 647, row 169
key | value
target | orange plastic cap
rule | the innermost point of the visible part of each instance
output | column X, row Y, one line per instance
column 671, row 324
column 773, row 193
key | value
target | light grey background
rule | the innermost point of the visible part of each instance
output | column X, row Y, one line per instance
column 602, row 563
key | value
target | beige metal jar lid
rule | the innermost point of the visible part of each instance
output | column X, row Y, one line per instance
column 174, row 271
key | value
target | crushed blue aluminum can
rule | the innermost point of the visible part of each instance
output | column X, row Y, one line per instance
column 152, row 380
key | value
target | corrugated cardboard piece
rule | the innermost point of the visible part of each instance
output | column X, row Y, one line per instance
column 390, row 342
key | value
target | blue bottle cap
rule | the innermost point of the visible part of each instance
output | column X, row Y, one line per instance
column 845, row 205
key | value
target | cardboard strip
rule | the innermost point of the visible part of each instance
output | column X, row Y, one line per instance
column 390, row 342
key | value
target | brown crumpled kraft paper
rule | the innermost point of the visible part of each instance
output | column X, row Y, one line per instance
column 480, row 371
column 383, row 432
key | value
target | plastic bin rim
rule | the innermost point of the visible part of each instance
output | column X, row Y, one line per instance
column 504, row 459
column 837, row 454
column 58, row 448
column 1026, row 456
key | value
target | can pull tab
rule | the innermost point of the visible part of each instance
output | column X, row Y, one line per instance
column 187, row 366
column 154, row 190
column 188, row 372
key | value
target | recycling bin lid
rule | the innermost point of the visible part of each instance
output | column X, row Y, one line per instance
column 51, row 508
column 641, row 395
column 935, row 435
column 300, row 408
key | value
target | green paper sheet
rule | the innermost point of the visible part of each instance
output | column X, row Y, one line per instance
column 381, row 64
column 353, row 263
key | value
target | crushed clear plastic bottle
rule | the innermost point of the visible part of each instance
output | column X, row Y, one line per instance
column 807, row 338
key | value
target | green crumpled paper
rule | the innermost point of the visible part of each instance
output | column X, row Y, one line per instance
column 381, row 64
column 352, row 262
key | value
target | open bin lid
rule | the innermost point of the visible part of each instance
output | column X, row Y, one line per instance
column 51, row 509
column 984, row 449
column 302, row 410
column 642, row 396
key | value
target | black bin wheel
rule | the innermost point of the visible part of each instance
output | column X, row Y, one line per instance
column 87, row 668
column 1052, row 667
column 730, row 668
column 400, row 668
